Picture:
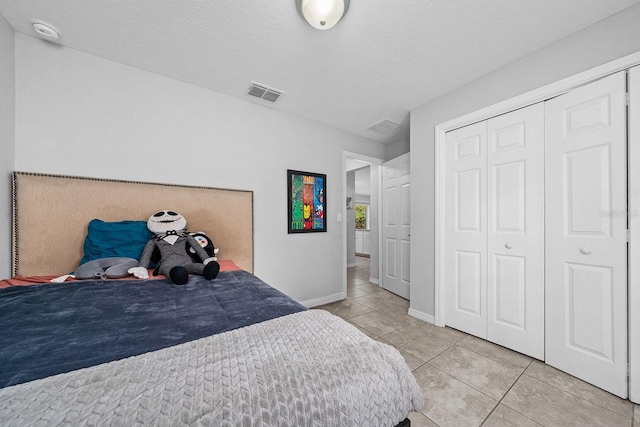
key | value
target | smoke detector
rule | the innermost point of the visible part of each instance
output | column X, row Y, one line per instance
column 45, row 30
column 264, row 92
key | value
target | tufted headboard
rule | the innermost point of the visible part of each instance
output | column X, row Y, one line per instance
column 51, row 214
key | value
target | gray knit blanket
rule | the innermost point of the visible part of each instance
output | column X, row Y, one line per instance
column 305, row 369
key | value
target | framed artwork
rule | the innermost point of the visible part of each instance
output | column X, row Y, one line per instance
column 306, row 201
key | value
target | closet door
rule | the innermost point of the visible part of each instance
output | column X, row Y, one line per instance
column 586, row 248
column 515, row 214
column 465, row 229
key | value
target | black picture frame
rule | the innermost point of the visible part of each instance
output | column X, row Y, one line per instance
column 306, row 202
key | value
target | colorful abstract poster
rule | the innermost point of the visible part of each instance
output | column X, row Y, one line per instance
column 306, row 201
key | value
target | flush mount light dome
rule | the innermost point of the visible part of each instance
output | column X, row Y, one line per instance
column 322, row 14
column 45, row 30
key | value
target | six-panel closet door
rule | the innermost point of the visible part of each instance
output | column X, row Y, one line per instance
column 586, row 233
column 515, row 214
column 494, row 250
column 466, row 229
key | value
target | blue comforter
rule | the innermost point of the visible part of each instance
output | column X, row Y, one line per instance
column 54, row 328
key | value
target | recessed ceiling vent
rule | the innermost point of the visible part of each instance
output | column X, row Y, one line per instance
column 264, row 92
column 384, row 126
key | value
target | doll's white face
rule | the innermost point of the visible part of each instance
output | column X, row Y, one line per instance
column 164, row 221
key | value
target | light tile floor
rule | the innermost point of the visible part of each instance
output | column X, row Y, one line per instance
column 467, row 381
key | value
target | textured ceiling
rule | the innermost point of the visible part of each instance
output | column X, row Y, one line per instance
column 383, row 59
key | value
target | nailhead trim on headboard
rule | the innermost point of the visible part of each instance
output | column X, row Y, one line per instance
column 219, row 198
column 14, row 222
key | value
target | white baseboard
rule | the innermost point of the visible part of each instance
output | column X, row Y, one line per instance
column 429, row 318
column 324, row 300
column 374, row 281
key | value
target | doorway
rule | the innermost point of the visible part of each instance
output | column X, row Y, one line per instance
column 362, row 176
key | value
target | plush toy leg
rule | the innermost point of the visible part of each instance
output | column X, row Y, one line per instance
column 109, row 268
column 121, row 269
column 178, row 275
column 211, row 270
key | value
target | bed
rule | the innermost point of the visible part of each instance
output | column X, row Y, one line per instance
column 231, row 351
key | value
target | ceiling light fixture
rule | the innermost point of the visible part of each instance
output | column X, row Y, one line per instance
column 45, row 30
column 322, row 14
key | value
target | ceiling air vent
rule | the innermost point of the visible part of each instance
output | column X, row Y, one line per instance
column 384, row 126
column 264, row 92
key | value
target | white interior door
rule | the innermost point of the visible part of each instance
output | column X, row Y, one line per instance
column 465, row 229
column 634, row 229
column 515, row 215
column 397, row 226
column 586, row 247
column 494, row 250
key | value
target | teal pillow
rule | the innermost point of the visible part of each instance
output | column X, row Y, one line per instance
column 115, row 239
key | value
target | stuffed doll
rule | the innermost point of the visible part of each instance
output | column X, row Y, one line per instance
column 175, row 263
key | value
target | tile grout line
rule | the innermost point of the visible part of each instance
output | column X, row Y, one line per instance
column 582, row 398
column 505, row 395
column 498, row 401
column 458, row 379
column 468, row 385
column 495, row 361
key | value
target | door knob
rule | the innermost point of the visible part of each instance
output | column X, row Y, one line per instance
column 508, row 245
column 585, row 251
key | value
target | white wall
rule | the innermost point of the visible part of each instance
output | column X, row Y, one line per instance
column 363, row 181
column 363, row 199
column 397, row 149
column 78, row 114
column 7, row 139
column 605, row 41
